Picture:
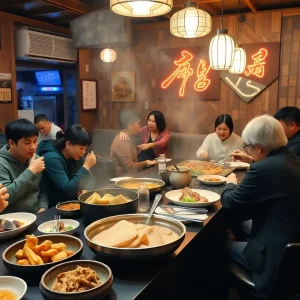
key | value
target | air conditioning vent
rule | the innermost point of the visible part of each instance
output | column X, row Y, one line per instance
column 43, row 46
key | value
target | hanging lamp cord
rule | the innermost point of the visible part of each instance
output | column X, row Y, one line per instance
column 238, row 24
column 222, row 15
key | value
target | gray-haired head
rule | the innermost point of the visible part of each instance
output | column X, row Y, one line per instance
column 265, row 131
column 128, row 117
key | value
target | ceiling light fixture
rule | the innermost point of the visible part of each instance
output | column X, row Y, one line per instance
column 190, row 22
column 221, row 49
column 108, row 55
column 141, row 8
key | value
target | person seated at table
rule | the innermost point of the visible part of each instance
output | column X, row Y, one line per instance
column 269, row 193
column 219, row 145
column 67, row 172
column 21, row 169
column 155, row 137
column 3, row 197
column 47, row 130
column 123, row 152
column 3, row 140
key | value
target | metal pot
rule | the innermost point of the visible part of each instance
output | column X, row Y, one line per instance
column 179, row 179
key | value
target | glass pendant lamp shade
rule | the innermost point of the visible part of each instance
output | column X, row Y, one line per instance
column 239, row 61
column 190, row 22
column 221, row 50
column 108, row 55
column 141, row 8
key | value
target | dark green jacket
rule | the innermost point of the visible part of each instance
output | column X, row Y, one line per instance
column 27, row 193
column 64, row 177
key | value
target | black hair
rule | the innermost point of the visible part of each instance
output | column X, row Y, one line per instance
column 127, row 117
column 159, row 120
column 75, row 134
column 39, row 118
column 288, row 114
column 224, row 119
column 18, row 129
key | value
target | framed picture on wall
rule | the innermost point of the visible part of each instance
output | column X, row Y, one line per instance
column 123, row 86
column 89, row 94
column 5, row 88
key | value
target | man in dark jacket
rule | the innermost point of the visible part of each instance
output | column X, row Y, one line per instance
column 269, row 191
column 289, row 117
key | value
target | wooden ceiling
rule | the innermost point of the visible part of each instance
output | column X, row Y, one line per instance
column 61, row 12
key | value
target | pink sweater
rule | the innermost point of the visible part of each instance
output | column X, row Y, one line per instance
column 161, row 142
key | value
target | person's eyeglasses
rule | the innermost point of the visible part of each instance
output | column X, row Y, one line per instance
column 245, row 146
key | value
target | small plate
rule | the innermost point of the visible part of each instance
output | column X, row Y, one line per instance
column 45, row 228
column 203, row 179
column 167, row 159
column 212, row 197
column 160, row 211
column 238, row 165
column 13, row 284
column 26, row 218
column 116, row 179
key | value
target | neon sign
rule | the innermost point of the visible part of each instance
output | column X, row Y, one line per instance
column 202, row 83
column 258, row 67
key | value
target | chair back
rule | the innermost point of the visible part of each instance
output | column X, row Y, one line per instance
column 103, row 171
column 286, row 281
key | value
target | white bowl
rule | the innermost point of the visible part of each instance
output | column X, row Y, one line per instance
column 238, row 165
column 46, row 227
column 26, row 218
column 14, row 284
column 202, row 178
column 212, row 197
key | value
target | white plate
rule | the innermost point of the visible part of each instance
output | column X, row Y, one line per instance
column 46, row 227
column 202, row 178
column 14, row 284
column 26, row 218
column 167, row 159
column 119, row 178
column 160, row 211
column 238, row 165
column 212, row 197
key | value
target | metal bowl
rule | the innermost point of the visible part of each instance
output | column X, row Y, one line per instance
column 68, row 214
column 98, row 292
column 9, row 254
column 153, row 191
column 134, row 253
column 93, row 212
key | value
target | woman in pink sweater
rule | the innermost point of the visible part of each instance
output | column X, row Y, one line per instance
column 155, row 137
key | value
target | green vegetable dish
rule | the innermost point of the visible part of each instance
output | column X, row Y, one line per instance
column 188, row 199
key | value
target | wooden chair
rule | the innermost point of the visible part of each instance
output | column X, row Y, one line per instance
column 285, row 286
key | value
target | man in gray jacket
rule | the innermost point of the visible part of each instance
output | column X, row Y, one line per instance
column 21, row 169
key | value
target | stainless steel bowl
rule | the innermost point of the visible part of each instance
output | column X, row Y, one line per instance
column 93, row 212
column 160, row 183
column 134, row 253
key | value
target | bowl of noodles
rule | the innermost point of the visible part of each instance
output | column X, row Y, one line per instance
column 102, row 203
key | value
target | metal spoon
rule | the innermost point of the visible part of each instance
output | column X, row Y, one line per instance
column 7, row 225
column 155, row 203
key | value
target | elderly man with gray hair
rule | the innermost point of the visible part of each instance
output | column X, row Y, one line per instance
column 270, row 192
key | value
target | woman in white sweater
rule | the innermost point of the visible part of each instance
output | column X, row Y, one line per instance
column 219, row 145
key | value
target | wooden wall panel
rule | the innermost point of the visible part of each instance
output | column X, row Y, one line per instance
column 8, row 111
column 185, row 115
column 290, row 62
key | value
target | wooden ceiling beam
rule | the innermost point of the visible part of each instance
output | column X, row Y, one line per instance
column 43, row 11
column 180, row 3
column 70, row 5
column 252, row 4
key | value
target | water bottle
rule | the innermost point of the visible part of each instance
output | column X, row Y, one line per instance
column 144, row 198
column 162, row 164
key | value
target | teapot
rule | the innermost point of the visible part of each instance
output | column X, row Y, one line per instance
column 181, row 178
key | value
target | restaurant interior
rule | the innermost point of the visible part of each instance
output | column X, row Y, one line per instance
column 84, row 62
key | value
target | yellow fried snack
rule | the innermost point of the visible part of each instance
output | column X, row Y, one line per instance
column 49, row 253
column 69, row 253
column 23, row 262
column 46, row 259
column 59, row 256
column 59, row 246
column 33, row 258
column 20, row 254
column 44, row 246
column 31, row 241
column 93, row 198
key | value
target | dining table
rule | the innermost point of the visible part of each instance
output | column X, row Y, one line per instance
column 194, row 268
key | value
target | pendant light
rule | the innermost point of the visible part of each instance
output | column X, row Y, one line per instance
column 141, row 8
column 108, row 55
column 190, row 22
column 221, row 49
column 239, row 57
